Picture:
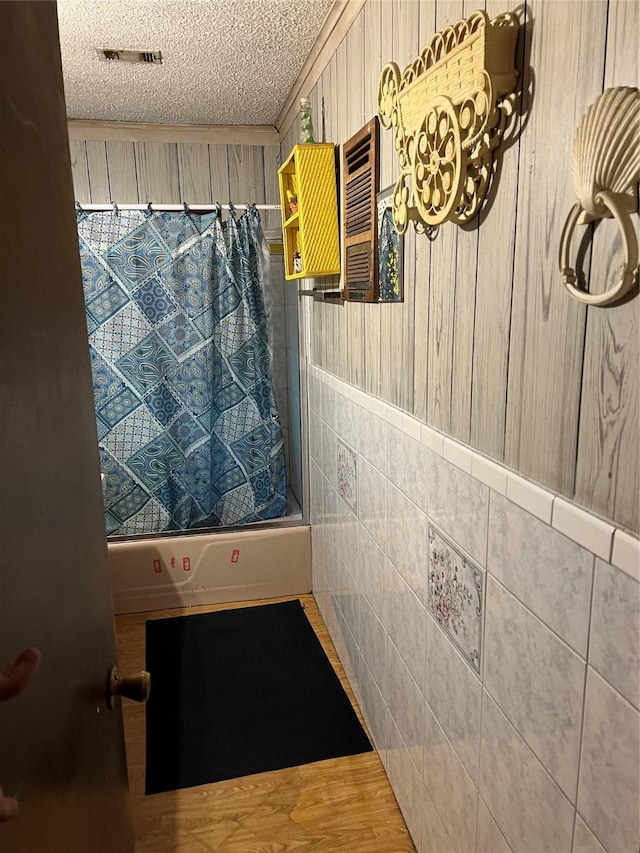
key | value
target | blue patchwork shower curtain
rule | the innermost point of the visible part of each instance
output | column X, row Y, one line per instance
column 178, row 333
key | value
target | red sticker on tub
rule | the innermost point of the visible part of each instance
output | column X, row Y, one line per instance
column 186, row 564
column 234, row 556
column 157, row 566
column 173, row 562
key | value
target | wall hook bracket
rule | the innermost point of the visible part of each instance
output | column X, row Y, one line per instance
column 606, row 172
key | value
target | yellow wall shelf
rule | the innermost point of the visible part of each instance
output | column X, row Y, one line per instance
column 309, row 200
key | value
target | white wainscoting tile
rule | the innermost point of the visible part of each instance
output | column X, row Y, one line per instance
column 435, row 838
column 373, row 439
column 407, row 541
column 584, row 841
column 372, row 502
column 373, row 641
column 549, row 573
column 329, row 509
column 614, row 647
column 537, row 681
column 585, row 529
column 375, row 710
column 408, row 465
column 457, row 454
column 394, row 416
column 329, row 454
column 537, row 501
column 315, row 437
column 378, row 407
column 316, row 489
column 406, row 783
column 490, row 839
column 410, row 426
column 449, row 785
column 406, row 626
column 459, row 504
column 328, row 397
column 455, row 695
column 609, row 790
column 406, row 704
column 626, row 553
column 531, row 811
column 375, row 574
column 348, row 421
column 433, row 439
column 489, row 473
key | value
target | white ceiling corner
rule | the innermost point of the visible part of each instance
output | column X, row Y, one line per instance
column 225, row 62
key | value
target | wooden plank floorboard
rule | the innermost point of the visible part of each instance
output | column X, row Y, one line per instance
column 343, row 805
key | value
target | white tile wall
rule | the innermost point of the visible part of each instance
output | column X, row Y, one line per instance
column 614, row 648
column 459, row 504
column 450, row 787
column 610, row 771
column 540, row 758
column 490, row 839
column 549, row 573
column 538, row 681
column 584, row 841
column 407, row 540
column 454, row 692
column 530, row 809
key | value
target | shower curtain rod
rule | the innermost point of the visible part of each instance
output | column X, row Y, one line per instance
column 196, row 208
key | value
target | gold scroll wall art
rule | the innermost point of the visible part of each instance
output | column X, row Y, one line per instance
column 450, row 109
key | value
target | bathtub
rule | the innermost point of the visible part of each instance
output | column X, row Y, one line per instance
column 210, row 568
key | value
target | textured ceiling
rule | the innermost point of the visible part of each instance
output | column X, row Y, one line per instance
column 225, row 61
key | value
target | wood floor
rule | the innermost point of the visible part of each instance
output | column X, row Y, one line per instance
column 344, row 805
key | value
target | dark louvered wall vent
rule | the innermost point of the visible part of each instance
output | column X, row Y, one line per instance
column 149, row 57
column 360, row 180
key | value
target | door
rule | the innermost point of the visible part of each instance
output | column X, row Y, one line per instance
column 61, row 748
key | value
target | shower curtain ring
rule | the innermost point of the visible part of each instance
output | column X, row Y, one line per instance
column 78, row 207
column 149, row 209
column 185, row 207
column 116, row 209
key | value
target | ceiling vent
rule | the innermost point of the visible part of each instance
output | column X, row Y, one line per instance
column 149, row 57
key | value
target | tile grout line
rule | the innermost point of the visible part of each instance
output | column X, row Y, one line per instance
column 584, row 699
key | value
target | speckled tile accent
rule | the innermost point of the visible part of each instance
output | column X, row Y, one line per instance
column 347, row 475
column 455, row 595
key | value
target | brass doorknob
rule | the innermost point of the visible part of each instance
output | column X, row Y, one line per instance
column 134, row 687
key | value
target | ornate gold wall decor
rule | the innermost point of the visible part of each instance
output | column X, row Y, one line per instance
column 450, row 108
column 606, row 172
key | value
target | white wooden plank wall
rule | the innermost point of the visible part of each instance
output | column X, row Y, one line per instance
column 442, row 290
column 464, row 312
column 494, row 282
column 608, row 447
column 427, row 26
column 489, row 347
column 169, row 173
column 547, row 326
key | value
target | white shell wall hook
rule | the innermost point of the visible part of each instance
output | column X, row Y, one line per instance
column 606, row 172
